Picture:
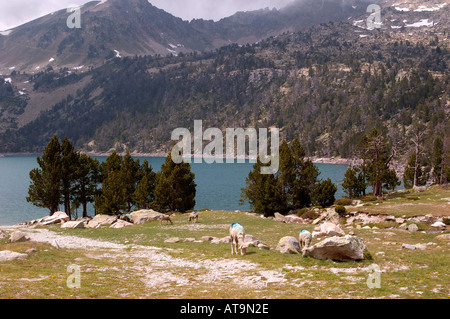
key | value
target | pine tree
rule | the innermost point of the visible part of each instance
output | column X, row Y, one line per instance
column 290, row 189
column 144, row 194
column 112, row 196
column 305, row 175
column 437, row 159
column 375, row 154
column 262, row 192
column 390, row 180
column 68, row 166
column 413, row 176
column 112, row 199
column 175, row 187
column 45, row 187
column 354, row 183
column 113, row 163
column 324, row 193
column 130, row 178
column 408, row 175
column 87, row 178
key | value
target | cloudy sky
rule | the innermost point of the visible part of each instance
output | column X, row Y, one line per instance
column 17, row 12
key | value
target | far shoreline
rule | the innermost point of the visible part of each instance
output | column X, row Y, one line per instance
column 314, row 159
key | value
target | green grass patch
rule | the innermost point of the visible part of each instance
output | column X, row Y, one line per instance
column 181, row 270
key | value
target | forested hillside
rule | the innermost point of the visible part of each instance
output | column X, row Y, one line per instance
column 327, row 85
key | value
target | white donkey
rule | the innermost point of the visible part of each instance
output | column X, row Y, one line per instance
column 237, row 234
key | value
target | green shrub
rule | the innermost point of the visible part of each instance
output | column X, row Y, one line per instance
column 340, row 210
column 343, row 202
column 369, row 198
column 310, row 215
column 368, row 255
column 302, row 211
column 446, row 221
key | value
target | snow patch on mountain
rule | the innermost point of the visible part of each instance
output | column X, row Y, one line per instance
column 421, row 23
column 6, row 32
column 101, row 2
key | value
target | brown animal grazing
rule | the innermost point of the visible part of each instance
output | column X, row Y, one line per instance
column 166, row 218
column 193, row 217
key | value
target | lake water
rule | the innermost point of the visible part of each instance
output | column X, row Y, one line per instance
column 218, row 186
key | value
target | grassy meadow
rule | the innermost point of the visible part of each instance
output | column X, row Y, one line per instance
column 145, row 266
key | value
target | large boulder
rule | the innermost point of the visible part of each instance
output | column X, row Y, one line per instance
column 328, row 215
column 7, row 255
column 3, row 234
column 73, row 225
column 17, row 237
column 289, row 245
column 427, row 219
column 101, row 220
column 327, row 229
column 346, row 248
column 120, row 224
column 294, row 219
column 280, row 218
column 253, row 241
column 144, row 216
column 56, row 218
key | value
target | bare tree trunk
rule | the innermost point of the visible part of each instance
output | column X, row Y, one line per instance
column 84, row 210
column 67, row 206
column 417, row 140
column 416, row 169
column 377, row 190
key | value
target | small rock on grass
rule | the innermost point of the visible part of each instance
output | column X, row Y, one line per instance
column 443, row 237
column 172, row 240
column 7, row 255
column 17, row 237
column 407, row 246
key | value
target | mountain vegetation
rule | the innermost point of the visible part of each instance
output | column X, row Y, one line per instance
column 293, row 187
column 329, row 85
column 116, row 185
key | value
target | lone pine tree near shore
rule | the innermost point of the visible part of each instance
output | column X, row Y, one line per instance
column 64, row 175
column 175, row 187
column 45, row 187
column 376, row 155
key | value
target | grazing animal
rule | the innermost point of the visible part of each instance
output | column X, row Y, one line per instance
column 237, row 234
column 166, row 218
column 193, row 217
column 304, row 240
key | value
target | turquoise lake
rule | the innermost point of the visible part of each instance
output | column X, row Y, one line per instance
column 218, row 186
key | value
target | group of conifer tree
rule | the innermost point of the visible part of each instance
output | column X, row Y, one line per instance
column 377, row 153
column 296, row 184
column 116, row 185
column 293, row 187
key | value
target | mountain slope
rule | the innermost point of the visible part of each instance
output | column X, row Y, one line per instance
column 135, row 27
column 327, row 84
column 129, row 26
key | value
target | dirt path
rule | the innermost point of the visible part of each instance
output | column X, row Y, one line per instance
column 157, row 268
